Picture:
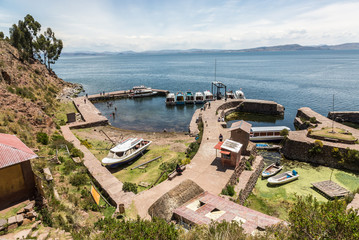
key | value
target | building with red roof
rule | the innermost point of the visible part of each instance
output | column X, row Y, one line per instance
column 16, row 175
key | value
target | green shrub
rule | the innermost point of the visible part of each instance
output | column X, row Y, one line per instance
column 69, row 166
column 313, row 120
column 136, row 229
column 168, row 166
column 284, row 132
column 86, row 144
column 42, row 138
column 129, row 187
column 248, row 166
column 10, row 89
column 228, row 190
column 76, row 153
column 78, row 179
column 317, row 148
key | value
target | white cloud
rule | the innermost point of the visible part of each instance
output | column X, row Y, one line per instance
column 164, row 24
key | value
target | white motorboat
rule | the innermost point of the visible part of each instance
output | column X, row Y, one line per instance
column 198, row 98
column 170, row 99
column 283, row 178
column 230, row 94
column 189, row 98
column 142, row 91
column 239, row 94
column 264, row 134
column 208, row 96
column 126, row 151
column 271, row 170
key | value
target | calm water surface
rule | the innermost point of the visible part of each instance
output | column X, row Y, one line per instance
column 293, row 79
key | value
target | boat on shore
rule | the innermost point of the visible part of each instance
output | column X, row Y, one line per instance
column 283, row 178
column 125, row 151
column 170, row 99
column 189, row 98
column 142, row 91
column 179, row 98
column 264, row 134
column 239, row 94
column 268, row 147
column 271, row 170
column 230, row 94
column 198, row 98
column 208, row 96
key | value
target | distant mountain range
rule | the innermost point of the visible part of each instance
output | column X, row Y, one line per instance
column 288, row 47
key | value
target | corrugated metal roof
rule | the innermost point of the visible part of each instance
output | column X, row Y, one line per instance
column 13, row 151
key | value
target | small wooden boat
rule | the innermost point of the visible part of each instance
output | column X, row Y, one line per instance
column 271, row 170
column 283, row 178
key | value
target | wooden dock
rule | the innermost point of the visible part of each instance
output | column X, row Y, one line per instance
column 331, row 189
column 120, row 94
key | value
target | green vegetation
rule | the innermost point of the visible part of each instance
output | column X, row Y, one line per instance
column 317, row 148
column 347, row 156
column 337, row 134
column 194, row 146
column 129, row 187
column 228, row 190
column 76, row 153
column 284, row 132
column 313, row 120
column 42, row 138
column 136, row 229
column 252, row 117
column 24, row 36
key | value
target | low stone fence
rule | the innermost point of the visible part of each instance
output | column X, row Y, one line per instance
column 348, row 116
column 242, row 196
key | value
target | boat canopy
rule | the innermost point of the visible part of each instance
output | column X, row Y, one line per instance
column 171, row 95
column 269, row 129
column 125, row 145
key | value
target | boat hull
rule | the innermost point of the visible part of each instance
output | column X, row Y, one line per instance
column 140, row 95
column 271, row 170
column 282, row 178
column 113, row 163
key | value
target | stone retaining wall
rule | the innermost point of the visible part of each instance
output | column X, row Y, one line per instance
column 242, row 196
column 348, row 116
column 254, row 106
column 299, row 150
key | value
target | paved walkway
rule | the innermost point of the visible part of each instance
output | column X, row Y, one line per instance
column 109, row 183
column 205, row 168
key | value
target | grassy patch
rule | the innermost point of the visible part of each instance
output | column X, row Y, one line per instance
column 62, row 109
column 252, row 117
column 277, row 199
column 131, row 211
column 337, row 134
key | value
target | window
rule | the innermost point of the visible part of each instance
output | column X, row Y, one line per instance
column 262, row 134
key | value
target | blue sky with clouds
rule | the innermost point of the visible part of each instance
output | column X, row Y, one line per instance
column 140, row 25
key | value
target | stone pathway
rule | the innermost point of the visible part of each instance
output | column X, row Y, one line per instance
column 205, row 168
column 246, row 175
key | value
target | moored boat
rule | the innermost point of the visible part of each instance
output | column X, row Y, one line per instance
column 179, row 98
column 208, row 96
column 142, row 91
column 267, row 133
column 271, row 170
column 189, row 97
column 239, row 94
column 230, row 94
column 283, row 178
column 198, row 98
column 125, row 151
column 170, row 99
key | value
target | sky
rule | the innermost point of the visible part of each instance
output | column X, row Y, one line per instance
column 142, row 25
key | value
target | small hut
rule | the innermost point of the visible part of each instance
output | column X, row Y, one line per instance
column 240, row 132
column 16, row 176
column 230, row 152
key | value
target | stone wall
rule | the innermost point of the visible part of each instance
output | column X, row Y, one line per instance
column 299, row 150
column 237, row 172
column 242, row 196
column 349, row 116
column 254, row 106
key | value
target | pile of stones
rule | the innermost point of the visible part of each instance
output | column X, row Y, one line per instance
column 24, row 216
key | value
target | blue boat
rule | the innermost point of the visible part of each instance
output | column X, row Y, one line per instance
column 180, row 98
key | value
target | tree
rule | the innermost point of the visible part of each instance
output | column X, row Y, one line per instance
column 48, row 47
column 2, row 35
column 22, row 35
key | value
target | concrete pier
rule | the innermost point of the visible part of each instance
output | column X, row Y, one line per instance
column 121, row 94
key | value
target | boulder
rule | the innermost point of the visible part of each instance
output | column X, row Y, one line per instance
column 22, row 210
column 11, row 220
column 19, row 219
column 29, row 207
column 3, row 223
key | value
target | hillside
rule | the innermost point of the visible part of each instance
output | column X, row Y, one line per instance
column 27, row 95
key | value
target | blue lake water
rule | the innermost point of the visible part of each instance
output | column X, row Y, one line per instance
column 293, row 79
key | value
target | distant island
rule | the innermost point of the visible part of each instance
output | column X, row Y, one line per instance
column 287, row 47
